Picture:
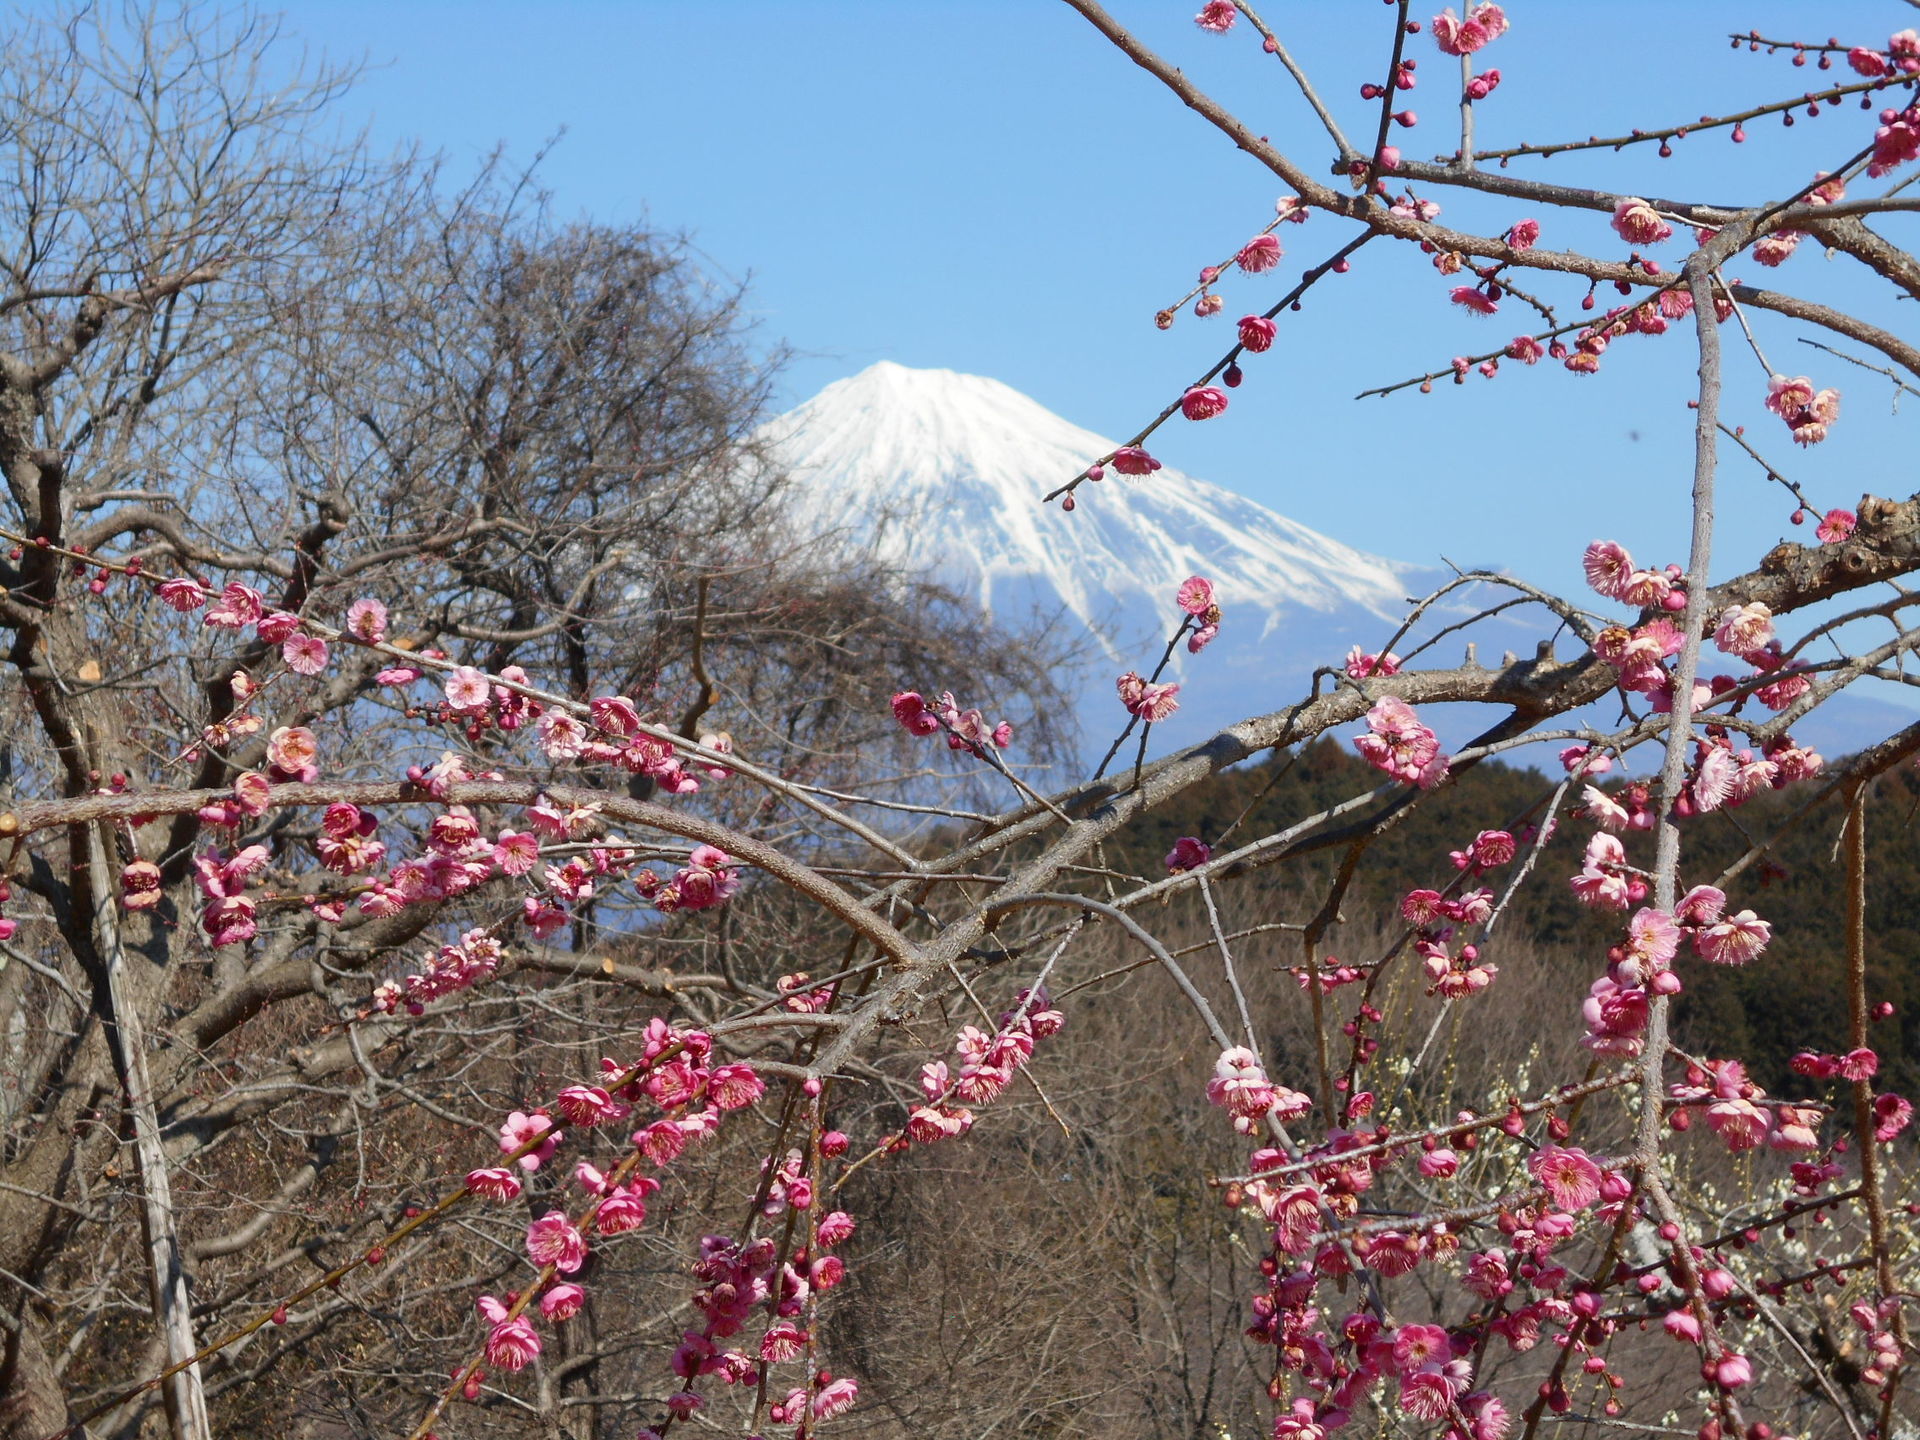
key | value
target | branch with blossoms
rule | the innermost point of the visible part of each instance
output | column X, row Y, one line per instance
column 1475, row 1189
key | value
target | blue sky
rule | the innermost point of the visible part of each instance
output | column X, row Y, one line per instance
column 988, row 186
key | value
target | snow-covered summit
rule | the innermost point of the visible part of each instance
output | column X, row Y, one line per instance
column 945, row 472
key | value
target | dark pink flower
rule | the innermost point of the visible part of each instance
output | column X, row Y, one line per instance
column 1257, row 332
column 494, row 1184
column 1131, row 460
column 1187, row 854
column 1835, row 526
column 562, row 1302
column 1202, row 402
column 912, row 713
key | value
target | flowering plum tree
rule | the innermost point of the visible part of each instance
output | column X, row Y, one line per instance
column 414, row 1000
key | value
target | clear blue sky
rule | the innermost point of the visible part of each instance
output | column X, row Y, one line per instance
column 988, row 186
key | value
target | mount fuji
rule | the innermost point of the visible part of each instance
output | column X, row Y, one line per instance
column 942, row 473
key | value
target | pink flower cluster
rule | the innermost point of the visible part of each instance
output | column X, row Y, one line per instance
column 1398, row 743
column 1807, row 412
column 1484, row 24
column 1738, row 1112
column 474, row 957
column 677, row 1074
column 985, row 1067
column 1145, row 699
column 229, row 915
column 1240, row 1087
column 706, row 880
column 1641, row 966
column 966, row 729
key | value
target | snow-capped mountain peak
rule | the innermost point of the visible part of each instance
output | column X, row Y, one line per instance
column 946, row 472
column 943, row 473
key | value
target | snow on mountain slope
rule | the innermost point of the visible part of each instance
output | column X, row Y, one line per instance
column 944, row 473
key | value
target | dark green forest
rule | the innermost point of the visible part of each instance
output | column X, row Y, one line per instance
column 1792, row 997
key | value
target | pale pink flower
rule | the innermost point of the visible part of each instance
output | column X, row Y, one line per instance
column 1870, row 63
column 140, row 885
column 1734, row 940
column 1429, row 1394
column 835, row 1398
column 1638, row 223
column 782, row 1342
column 276, row 626
column 622, row 1210
column 1744, row 630
column 1569, row 1176
column 1217, row 16
column 293, row 751
column 1605, row 811
column 1893, row 145
column 1774, row 249
column 1525, row 349
column 1794, row 1129
column 521, row 1128
column 305, row 654
column 1786, row 395
column 239, row 607
column 1417, row 1347
column 1195, row 595
column 1401, row 745
column 467, row 689
column 1201, row 638
column 252, row 791
column 367, row 620
column 1682, row 1325
column 1716, row 779
column 183, row 594
column 587, row 1105
column 1259, row 255
column 1652, row 936
column 1647, row 588
column 1701, row 905
column 734, row 1087
column 1732, row 1370
column 516, row 852
column 1609, row 567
